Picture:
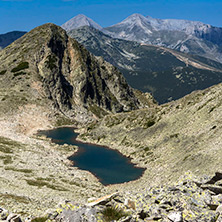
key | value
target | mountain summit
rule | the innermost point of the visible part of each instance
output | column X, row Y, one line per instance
column 186, row 36
column 79, row 21
column 47, row 66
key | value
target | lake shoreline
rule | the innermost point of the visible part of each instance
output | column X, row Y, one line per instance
column 80, row 150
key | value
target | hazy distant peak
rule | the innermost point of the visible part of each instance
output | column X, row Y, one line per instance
column 177, row 25
column 134, row 18
column 79, row 21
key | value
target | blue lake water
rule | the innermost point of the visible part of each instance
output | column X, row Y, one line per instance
column 108, row 165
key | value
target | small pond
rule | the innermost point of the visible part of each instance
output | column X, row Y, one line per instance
column 108, row 165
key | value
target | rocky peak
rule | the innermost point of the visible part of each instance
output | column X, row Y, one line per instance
column 79, row 85
column 135, row 17
column 79, row 21
column 186, row 36
column 136, row 20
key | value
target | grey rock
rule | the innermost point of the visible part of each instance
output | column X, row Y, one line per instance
column 3, row 214
column 219, row 209
column 214, row 179
column 13, row 218
column 126, row 219
column 219, row 219
column 82, row 214
column 176, row 216
column 214, row 188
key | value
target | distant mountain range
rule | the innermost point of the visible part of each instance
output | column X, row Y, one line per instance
column 182, row 35
column 8, row 38
column 166, row 73
column 144, row 61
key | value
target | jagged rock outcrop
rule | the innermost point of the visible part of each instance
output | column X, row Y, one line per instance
column 46, row 64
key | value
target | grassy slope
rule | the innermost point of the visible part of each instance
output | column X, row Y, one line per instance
column 168, row 140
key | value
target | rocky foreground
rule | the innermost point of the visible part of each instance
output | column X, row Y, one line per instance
column 190, row 199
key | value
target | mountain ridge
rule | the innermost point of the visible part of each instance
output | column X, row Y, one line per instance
column 163, row 72
column 183, row 35
column 78, row 84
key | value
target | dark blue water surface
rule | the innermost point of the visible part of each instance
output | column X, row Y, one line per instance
column 108, row 165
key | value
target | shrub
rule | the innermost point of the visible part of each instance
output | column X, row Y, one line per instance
column 149, row 123
column 3, row 72
column 111, row 213
column 39, row 219
column 19, row 74
column 21, row 66
column 50, row 63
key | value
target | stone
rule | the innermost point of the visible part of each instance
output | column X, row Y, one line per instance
column 219, row 209
column 126, row 219
column 102, row 200
column 81, row 214
column 217, row 198
column 214, row 188
column 214, row 179
column 28, row 219
column 176, row 217
column 3, row 214
column 130, row 204
column 13, row 218
column 219, row 219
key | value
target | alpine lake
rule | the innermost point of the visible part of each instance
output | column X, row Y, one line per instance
column 108, row 165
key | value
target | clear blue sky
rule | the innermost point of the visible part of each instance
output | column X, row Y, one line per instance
column 27, row 14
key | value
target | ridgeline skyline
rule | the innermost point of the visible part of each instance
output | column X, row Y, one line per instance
column 24, row 15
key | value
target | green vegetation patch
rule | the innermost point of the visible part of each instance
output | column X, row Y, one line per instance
column 39, row 219
column 18, row 170
column 149, row 123
column 96, row 110
column 21, row 66
column 111, row 214
column 40, row 182
column 15, row 198
column 3, row 72
column 6, row 159
column 50, row 62
column 62, row 121
column 7, row 145
column 19, row 74
column 5, row 149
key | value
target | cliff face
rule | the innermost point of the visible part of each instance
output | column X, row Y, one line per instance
column 46, row 64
